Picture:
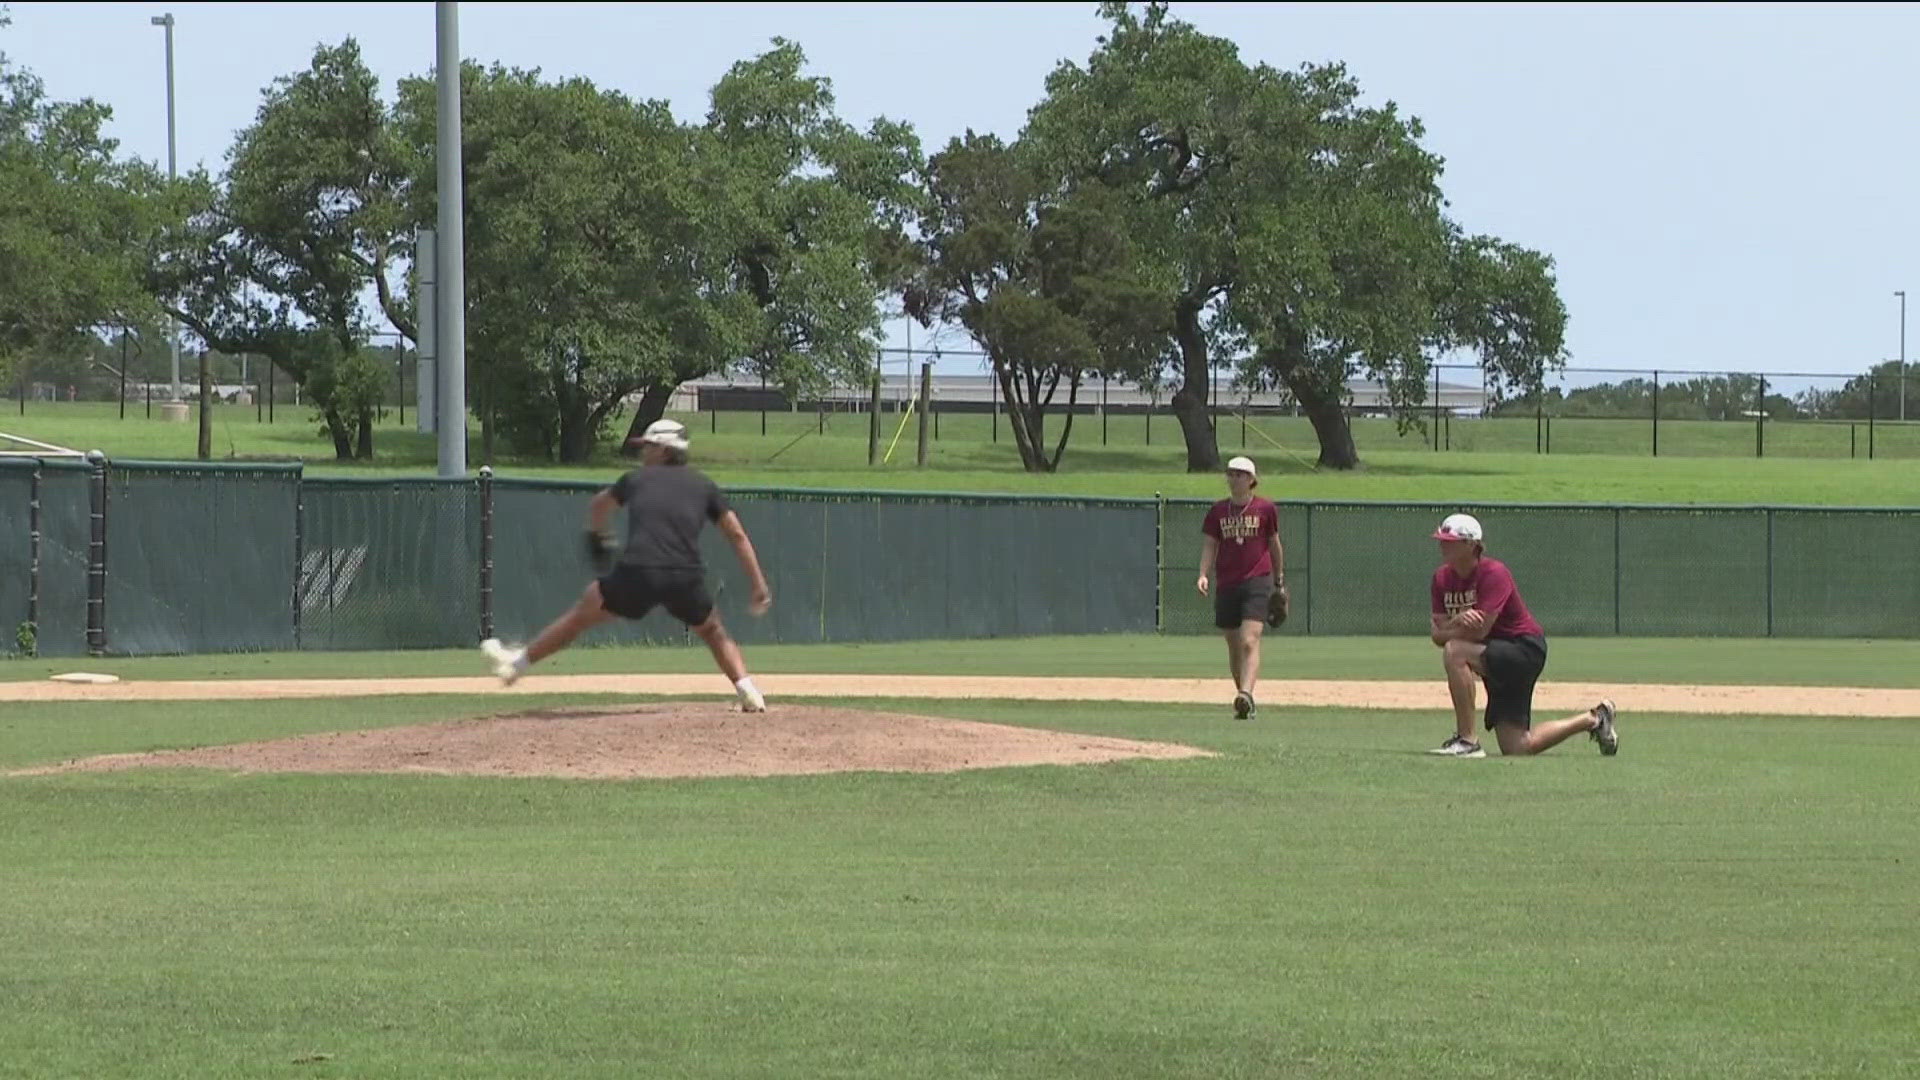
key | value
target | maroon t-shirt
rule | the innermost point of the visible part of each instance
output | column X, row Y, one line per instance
column 1490, row 588
column 1245, row 534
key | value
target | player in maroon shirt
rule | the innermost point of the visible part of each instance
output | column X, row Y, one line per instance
column 1484, row 629
column 1242, row 535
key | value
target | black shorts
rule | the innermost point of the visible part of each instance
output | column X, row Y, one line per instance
column 1236, row 603
column 1512, row 666
column 632, row 591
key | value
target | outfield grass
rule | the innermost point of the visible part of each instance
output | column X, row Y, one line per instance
column 1736, row 661
column 795, row 454
column 1725, row 898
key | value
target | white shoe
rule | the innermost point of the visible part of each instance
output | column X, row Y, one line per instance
column 507, row 663
column 1455, row 746
column 752, row 701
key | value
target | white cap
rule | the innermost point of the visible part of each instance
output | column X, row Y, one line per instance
column 1460, row 527
column 671, row 434
column 1242, row 464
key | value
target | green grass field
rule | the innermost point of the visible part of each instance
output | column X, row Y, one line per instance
column 1728, row 897
column 1498, row 463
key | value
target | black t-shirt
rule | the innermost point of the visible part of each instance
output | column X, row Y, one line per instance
column 667, row 505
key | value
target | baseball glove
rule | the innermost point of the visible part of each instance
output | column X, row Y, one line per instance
column 1277, row 605
column 600, row 550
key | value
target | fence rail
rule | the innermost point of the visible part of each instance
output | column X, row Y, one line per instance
column 133, row 558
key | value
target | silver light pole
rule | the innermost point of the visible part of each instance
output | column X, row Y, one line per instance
column 451, row 264
column 173, row 339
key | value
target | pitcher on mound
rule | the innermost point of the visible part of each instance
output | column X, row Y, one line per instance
column 668, row 503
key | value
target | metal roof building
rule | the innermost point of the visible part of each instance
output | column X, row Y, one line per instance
column 973, row 393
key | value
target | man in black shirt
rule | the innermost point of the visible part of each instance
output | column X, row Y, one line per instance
column 667, row 503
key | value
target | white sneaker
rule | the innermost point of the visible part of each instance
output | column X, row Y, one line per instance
column 752, row 701
column 1455, row 746
column 508, row 664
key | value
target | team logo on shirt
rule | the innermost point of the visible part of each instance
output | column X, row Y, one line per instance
column 1457, row 602
column 1240, row 529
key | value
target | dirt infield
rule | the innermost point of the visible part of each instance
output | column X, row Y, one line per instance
column 708, row 738
column 1550, row 696
column 674, row 739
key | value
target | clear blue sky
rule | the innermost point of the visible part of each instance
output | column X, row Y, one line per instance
column 1726, row 186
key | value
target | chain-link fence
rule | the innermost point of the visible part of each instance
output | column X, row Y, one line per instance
column 952, row 401
column 144, row 557
column 1637, row 412
column 1635, row 571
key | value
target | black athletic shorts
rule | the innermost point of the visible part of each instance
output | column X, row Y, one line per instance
column 632, row 591
column 1512, row 666
column 1243, row 600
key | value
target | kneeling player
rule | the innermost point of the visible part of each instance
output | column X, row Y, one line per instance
column 1483, row 629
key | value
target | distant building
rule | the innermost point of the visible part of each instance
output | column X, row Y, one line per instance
column 978, row 393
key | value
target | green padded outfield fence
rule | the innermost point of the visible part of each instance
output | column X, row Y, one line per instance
column 140, row 558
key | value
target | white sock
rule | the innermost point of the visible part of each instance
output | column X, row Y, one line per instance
column 745, row 686
column 520, row 661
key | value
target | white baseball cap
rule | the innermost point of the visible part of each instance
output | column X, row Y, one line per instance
column 1460, row 527
column 671, row 434
column 1243, row 464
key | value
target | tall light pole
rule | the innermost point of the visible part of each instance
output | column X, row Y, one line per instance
column 173, row 339
column 1902, row 294
column 451, row 239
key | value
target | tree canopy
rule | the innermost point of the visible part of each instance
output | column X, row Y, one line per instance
column 1169, row 211
column 77, row 220
column 1304, row 232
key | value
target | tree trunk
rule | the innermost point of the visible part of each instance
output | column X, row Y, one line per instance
column 486, row 417
column 1331, row 427
column 1189, row 403
column 1320, row 400
column 597, row 416
column 576, row 429
column 1019, row 413
column 653, row 405
column 206, row 406
column 342, row 438
column 364, row 451
column 1066, row 429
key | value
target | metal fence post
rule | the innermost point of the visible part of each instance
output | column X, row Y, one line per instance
column 33, row 561
column 299, row 547
column 1760, row 420
column 873, row 420
column 1872, row 385
column 1159, row 563
column 97, row 557
column 1310, row 592
column 486, row 552
column 1656, row 414
column 1436, row 407
column 1617, row 513
column 926, row 402
column 1769, row 571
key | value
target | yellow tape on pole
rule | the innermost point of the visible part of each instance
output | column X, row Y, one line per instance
column 1255, row 428
column 904, row 417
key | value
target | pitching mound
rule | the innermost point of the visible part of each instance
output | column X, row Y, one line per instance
column 654, row 740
